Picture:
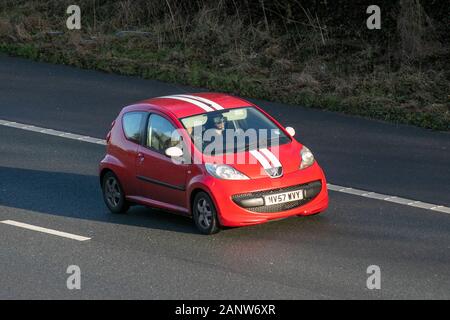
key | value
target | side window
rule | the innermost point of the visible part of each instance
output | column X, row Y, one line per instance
column 132, row 124
column 161, row 134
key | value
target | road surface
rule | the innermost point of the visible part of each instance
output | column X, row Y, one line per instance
column 51, row 182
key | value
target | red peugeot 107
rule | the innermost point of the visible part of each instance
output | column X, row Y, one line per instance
column 217, row 158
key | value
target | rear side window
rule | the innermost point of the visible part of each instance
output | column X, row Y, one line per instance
column 132, row 125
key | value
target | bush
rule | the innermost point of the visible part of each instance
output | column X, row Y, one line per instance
column 312, row 52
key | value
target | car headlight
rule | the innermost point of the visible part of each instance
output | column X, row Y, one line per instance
column 223, row 171
column 307, row 158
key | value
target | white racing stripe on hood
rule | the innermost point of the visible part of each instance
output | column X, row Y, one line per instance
column 263, row 161
column 193, row 101
column 211, row 103
column 274, row 160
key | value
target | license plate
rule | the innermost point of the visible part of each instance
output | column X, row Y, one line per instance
column 283, row 197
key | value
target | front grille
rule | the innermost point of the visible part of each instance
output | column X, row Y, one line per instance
column 311, row 190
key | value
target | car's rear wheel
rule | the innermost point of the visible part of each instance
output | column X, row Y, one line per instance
column 113, row 194
column 205, row 214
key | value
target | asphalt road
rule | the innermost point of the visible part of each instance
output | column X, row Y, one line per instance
column 52, row 182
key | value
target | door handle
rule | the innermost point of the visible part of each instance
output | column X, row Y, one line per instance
column 141, row 157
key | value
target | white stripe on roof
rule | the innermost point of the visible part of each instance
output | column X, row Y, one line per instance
column 211, row 103
column 193, row 101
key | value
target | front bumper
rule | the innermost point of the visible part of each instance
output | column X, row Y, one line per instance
column 254, row 201
column 240, row 204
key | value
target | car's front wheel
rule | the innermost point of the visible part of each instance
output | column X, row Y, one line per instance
column 113, row 194
column 205, row 214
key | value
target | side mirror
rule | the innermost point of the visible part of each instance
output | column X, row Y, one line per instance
column 291, row 131
column 174, row 152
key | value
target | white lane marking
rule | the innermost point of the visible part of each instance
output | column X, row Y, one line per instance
column 261, row 159
column 52, row 132
column 388, row 198
column 213, row 104
column 45, row 230
column 275, row 162
column 441, row 209
column 192, row 101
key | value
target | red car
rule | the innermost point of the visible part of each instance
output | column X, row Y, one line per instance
column 217, row 158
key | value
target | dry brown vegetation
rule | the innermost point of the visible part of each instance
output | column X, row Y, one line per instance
column 315, row 53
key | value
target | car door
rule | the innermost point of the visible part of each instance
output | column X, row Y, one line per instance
column 161, row 178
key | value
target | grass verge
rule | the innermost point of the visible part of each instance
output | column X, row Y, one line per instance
column 299, row 62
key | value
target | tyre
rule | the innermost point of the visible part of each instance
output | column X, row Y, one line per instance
column 205, row 214
column 113, row 194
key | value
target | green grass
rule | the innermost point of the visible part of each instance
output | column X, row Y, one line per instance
column 150, row 64
column 216, row 45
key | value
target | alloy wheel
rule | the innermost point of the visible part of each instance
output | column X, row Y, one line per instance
column 205, row 214
column 112, row 192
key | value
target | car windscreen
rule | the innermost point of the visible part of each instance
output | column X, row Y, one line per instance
column 233, row 130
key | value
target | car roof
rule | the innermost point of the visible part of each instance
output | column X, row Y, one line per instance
column 189, row 104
